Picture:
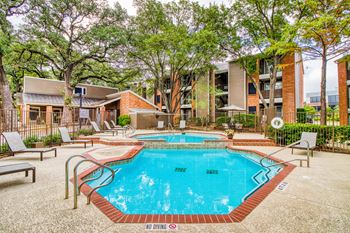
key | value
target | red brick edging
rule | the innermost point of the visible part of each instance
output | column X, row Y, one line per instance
column 236, row 215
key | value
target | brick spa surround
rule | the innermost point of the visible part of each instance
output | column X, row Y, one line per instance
column 236, row 215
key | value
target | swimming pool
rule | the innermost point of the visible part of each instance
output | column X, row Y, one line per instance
column 185, row 181
column 181, row 137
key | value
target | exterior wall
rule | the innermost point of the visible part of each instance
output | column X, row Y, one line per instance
column 202, row 96
column 130, row 100
column 288, row 89
column 212, row 96
column 55, row 87
column 236, row 85
column 253, row 99
column 299, row 81
column 343, row 95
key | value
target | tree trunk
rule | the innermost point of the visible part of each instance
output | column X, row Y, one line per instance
column 6, row 98
column 323, row 91
column 271, row 109
column 68, row 95
column 257, row 87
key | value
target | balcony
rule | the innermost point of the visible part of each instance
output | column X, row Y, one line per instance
column 266, row 94
column 267, row 76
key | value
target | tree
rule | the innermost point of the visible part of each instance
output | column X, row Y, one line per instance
column 70, row 34
column 8, row 8
column 324, row 32
column 169, row 43
column 261, row 27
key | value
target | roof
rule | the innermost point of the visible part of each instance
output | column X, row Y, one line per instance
column 343, row 59
column 145, row 110
column 115, row 95
column 54, row 100
column 232, row 107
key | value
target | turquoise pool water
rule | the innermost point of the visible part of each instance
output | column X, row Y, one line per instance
column 181, row 138
column 184, row 181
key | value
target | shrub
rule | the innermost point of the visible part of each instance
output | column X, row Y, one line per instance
column 124, row 120
column 29, row 141
column 4, row 148
column 51, row 139
column 85, row 132
column 301, row 115
column 292, row 132
column 222, row 119
column 247, row 120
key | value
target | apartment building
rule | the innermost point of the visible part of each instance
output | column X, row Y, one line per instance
column 314, row 99
column 344, row 89
column 228, row 85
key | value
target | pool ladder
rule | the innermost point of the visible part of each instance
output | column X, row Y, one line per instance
column 77, row 187
column 307, row 160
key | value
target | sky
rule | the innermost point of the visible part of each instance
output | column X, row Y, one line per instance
column 312, row 75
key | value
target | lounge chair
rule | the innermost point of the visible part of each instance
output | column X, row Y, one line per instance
column 116, row 129
column 19, row 167
column 97, row 129
column 239, row 127
column 115, row 125
column 182, row 125
column 311, row 138
column 67, row 139
column 160, row 125
column 17, row 146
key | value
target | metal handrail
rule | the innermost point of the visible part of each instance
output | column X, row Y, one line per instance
column 67, row 175
column 75, row 170
column 101, row 185
column 286, row 147
column 88, row 180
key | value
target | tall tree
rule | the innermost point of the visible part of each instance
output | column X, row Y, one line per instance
column 8, row 8
column 262, row 24
column 324, row 32
column 71, row 33
column 169, row 43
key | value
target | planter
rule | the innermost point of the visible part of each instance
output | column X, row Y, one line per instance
column 38, row 145
column 229, row 136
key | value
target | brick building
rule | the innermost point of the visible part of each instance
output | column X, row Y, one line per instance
column 42, row 99
column 344, row 89
column 228, row 85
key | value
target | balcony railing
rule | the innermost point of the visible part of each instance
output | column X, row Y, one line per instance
column 266, row 94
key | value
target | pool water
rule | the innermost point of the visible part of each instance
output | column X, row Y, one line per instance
column 184, row 181
column 181, row 138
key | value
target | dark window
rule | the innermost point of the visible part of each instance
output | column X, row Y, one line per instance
column 158, row 99
column 333, row 99
column 251, row 89
column 315, row 99
column 80, row 90
column 252, row 109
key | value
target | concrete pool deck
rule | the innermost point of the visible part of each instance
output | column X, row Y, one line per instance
column 317, row 199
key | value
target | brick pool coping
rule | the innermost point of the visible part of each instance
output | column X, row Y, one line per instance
column 236, row 215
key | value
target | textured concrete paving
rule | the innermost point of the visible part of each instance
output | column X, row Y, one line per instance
column 317, row 199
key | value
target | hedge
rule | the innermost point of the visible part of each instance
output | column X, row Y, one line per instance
column 248, row 120
column 124, row 120
column 292, row 132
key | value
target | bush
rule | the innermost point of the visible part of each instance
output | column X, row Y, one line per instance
column 29, row 141
column 124, row 120
column 301, row 115
column 51, row 139
column 292, row 132
column 4, row 148
column 85, row 132
column 222, row 119
column 247, row 120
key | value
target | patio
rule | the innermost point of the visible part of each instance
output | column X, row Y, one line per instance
column 316, row 199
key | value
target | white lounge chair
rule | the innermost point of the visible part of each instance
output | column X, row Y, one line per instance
column 306, row 138
column 115, row 125
column 160, row 125
column 17, row 146
column 182, row 125
column 226, row 126
column 116, row 129
column 67, row 139
column 98, row 130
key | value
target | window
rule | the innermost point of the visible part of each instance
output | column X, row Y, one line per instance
column 315, row 99
column 333, row 99
column 221, row 81
column 80, row 90
column 158, row 99
column 278, row 85
column 251, row 89
column 252, row 109
column 266, row 86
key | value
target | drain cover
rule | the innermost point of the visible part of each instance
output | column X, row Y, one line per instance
column 212, row 172
column 180, row 169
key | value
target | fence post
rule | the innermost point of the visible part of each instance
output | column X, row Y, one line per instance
column 333, row 132
column 51, row 125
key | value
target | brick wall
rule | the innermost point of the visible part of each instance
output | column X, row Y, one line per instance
column 343, row 96
column 288, row 89
column 130, row 100
column 253, row 100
